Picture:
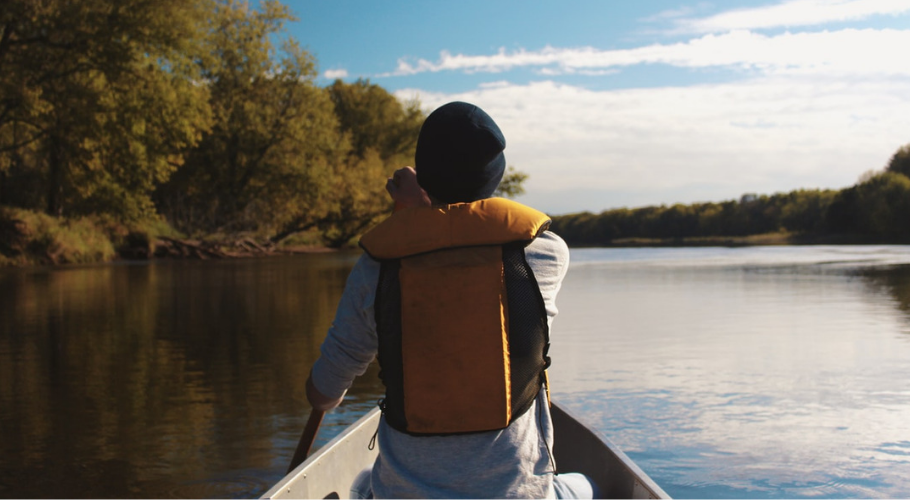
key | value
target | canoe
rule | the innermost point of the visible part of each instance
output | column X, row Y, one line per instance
column 330, row 472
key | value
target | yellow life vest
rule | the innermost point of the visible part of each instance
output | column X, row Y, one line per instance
column 462, row 326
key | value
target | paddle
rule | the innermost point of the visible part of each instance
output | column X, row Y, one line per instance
column 306, row 440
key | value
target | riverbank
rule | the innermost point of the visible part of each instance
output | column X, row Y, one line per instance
column 219, row 249
column 767, row 239
column 161, row 248
column 35, row 239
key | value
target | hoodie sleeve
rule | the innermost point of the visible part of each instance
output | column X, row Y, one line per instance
column 351, row 343
column 548, row 256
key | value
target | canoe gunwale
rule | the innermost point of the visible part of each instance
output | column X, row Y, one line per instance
column 577, row 448
column 351, row 447
column 580, row 447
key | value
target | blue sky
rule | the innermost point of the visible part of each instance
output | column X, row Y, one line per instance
column 619, row 103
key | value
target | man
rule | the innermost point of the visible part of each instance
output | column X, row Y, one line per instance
column 455, row 296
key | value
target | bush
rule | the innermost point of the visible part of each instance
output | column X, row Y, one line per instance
column 136, row 239
column 32, row 237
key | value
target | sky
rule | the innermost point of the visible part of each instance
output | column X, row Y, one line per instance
column 609, row 104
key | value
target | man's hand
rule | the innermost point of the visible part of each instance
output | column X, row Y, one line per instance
column 318, row 400
column 403, row 188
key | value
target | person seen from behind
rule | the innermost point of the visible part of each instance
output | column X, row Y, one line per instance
column 455, row 295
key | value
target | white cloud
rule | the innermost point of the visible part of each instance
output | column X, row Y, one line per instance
column 674, row 14
column 813, row 109
column 791, row 14
column 591, row 150
column 332, row 74
column 496, row 84
column 848, row 51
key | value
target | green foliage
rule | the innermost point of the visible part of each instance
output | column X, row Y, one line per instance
column 372, row 118
column 123, row 118
column 380, row 134
column 512, row 183
column 192, row 110
column 878, row 205
column 883, row 205
column 135, row 238
column 800, row 211
column 268, row 152
column 37, row 237
column 283, row 155
column 98, row 100
column 900, row 161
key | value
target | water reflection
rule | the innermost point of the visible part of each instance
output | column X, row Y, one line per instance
column 170, row 379
column 774, row 372
column 893, row 282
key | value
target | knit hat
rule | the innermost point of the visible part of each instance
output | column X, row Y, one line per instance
column 459, row 154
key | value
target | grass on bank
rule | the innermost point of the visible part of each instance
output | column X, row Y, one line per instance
column 34, row 238
column 30, row 238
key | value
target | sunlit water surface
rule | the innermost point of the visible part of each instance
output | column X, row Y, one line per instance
column 754, row 372
column 750, row 372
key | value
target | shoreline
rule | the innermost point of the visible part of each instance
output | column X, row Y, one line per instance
column 165, row 248
column 768, row 239
column 173, row 249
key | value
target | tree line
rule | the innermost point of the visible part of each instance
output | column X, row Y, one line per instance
column 202, row 112
column 877, row 208
column 204, row 118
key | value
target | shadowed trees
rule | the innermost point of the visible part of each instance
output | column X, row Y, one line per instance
column 97, row 101
column 900, row 161
column 201, row 111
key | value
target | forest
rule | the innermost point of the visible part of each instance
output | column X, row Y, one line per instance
column 131, row 128
column 875, row 210
column 128, row 120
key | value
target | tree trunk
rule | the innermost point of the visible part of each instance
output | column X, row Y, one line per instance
column 290, row 230
column 54, row 178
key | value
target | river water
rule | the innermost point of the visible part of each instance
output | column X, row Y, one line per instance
column 761, row 372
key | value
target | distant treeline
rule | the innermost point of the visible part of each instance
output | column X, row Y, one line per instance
column 877, row 208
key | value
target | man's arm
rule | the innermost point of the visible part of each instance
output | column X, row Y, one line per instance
column 548, row 256
column 318, row 400
column 351, row 343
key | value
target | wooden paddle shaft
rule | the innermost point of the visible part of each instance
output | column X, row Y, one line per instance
column 306, row 440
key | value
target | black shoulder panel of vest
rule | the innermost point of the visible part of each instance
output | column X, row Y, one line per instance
column 529, row 333
column 387, row 309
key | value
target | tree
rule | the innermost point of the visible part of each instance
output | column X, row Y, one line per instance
column 268, row 157
column 883, row 205
column 842, row 214
column 512, row 183
column 803, row 211
column 382, row 133
column 97, row 100
column 372, row 118
column 900, row 161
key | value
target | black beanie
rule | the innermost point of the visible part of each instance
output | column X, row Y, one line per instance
column 459, row 154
